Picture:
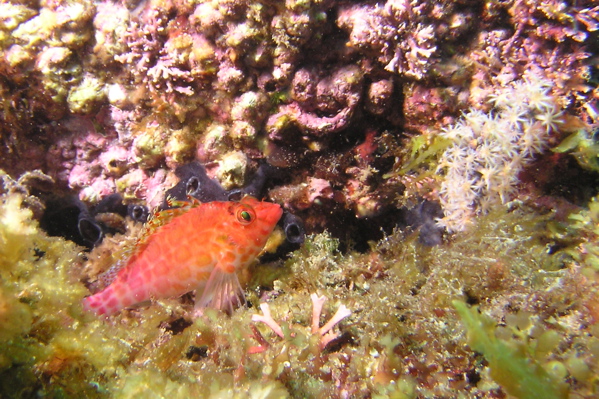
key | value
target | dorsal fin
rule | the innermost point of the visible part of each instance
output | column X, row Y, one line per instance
column 162, row 217
column 158, row 218
column 127, row 253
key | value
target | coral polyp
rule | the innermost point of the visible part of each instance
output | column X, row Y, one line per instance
column 488, row 151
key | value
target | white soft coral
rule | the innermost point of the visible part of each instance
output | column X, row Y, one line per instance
column 488, row 151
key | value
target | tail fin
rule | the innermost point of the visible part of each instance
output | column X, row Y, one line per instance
column 103, row 303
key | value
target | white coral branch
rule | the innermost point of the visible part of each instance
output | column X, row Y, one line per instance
column 325, row 332
column 341, row 314
column 267, row 319
column 317, row 303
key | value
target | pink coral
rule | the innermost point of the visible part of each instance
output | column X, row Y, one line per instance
column 379, row 97
column 400, row 34
column 149, row 186
column 335, row 97
column 546, row 37
column 115, row 160
column 158, row 57
column 79, row 146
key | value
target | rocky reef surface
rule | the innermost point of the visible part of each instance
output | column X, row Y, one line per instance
column 441, row 157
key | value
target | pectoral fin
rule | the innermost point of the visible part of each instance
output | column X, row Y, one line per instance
column 221, row 291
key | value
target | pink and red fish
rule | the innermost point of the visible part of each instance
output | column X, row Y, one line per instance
column 202, row 248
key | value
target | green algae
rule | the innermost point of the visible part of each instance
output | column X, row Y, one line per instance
column 584, row 148
column 518, row 374
column 83, row 97
column 38, row 294
column 402, row 340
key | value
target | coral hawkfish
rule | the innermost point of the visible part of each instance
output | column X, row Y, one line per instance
column 198, row 246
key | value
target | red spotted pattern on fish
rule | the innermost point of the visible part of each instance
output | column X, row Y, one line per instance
column 202, row 248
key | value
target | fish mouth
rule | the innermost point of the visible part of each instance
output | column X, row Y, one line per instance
column 269, row 212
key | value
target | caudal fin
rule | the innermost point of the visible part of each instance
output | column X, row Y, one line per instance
column 102, row 303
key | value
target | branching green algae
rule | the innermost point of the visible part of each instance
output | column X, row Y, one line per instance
column 403, row 339
column 520, row 376
column 39, row 301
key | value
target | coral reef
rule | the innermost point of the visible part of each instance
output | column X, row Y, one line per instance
column 436, row 162
column 164, row 83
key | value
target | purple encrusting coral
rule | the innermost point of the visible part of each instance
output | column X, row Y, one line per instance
column 384, row 121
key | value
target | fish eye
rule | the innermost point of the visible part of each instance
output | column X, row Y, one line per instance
column 245, row 215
